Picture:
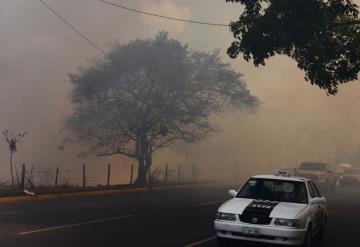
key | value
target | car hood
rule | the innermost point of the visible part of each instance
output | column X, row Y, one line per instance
column 281, row 210
column 310, row 172
column 287, row 210
column 235, row 205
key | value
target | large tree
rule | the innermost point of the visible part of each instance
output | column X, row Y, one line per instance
column 147, row 94
column 322, row 36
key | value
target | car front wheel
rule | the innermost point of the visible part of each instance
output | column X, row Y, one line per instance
column 308, row 239
column 322, row 231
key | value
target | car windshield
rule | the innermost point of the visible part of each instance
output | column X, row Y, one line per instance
column 274, row 190
column 313, row 166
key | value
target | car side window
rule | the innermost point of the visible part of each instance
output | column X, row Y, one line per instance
column 316, row 190
column 311, row 190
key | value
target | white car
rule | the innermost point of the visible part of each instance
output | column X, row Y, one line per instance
column 275, row 209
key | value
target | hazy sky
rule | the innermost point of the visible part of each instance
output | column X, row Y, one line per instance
column 37, row 52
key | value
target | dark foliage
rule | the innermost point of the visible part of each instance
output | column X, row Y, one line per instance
column 322, row 36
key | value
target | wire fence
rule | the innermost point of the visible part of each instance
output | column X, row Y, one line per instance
column 42, row 178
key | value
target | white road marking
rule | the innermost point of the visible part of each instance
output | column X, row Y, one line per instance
column 89, row 204
column 206, row 203
column 11, row 212
column 200, row 242
column 75, row 224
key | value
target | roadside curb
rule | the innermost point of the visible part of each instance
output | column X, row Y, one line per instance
column 50, row 196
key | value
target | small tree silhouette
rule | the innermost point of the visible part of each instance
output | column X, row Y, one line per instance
column 12, row 141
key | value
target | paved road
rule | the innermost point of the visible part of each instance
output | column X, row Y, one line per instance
column 176, row 217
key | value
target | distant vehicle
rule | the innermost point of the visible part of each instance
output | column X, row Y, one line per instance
column 342, row 167
column 320, row 173
column 275, row 209
column 350, row 177
column 339, row 171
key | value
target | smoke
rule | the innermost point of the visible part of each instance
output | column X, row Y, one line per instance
column 296, row 122
column 167, row 8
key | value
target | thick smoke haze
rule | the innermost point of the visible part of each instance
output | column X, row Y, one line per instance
column 296, row 121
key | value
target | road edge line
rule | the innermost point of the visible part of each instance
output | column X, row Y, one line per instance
column 200, row 242
column 75, row 224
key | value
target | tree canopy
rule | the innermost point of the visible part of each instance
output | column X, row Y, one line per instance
column 322, row 36
column 147, row 94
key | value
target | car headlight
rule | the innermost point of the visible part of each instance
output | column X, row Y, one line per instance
column 287, row 222
column 225, row 216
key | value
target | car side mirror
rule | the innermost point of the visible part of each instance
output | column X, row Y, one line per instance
column 232, row 193
column 317, row 200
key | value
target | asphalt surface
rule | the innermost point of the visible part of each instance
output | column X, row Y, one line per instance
column 172, row 217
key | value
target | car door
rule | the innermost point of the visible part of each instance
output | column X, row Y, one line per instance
column 323, row 205
column 319, row 209
column 314, row 208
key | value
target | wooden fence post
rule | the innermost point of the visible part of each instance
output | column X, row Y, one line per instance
column 56, row 177
column 131, row 174
column 193, row 171
column 22, row 185
column 166, row 173
column 84, row 175
column 108, row 175
column 150, row 179
column 179, row 173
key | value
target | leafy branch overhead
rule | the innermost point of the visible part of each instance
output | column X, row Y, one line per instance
column 322, row 36
column 147, row 94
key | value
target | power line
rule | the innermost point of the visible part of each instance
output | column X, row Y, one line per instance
column 85, row 37
column 74, row 28
column 162, row 16
column 125, row 8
